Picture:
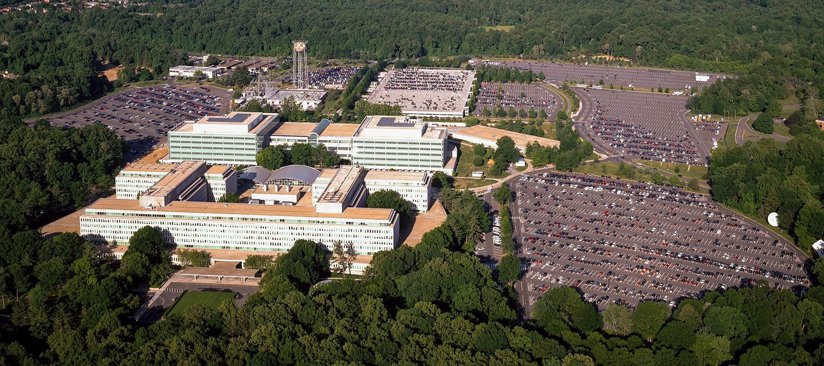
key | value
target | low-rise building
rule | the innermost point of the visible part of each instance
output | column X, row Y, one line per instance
column 184, row 71
column 415, row 187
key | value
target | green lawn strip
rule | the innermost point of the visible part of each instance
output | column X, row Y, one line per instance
column 191, row 298
column 466, row 183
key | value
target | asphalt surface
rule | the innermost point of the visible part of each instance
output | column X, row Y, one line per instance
column 624, row 242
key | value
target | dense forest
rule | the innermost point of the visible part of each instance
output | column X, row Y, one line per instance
column 46, row 171
column 435, row 303
column 763, row 177
column 54, row 55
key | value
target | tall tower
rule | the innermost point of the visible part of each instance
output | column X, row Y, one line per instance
column 300, row 69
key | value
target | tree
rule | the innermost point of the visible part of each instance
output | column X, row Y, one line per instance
column 302, row 154
column 617, row 319
column 726, row 321
column 229, row 197
column 258, row 261
column 506, row 152
column 149, row 242
column 764, row 123
column 502, row 195
column 648, row 318
column 509, row 269
column 303, row 264
column 711, row 350
column 196, row 258
column 441, row 180
column 271, row 157
column 344, row 255
column 562, row 309
column 676, row 335
column 391, row 199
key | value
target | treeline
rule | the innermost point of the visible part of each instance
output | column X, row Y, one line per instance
column 764, row 177
column 506, row 75
column 434, row 303
column 55, row 54
column 49, row 171
column 275, row 157
column 533, row 128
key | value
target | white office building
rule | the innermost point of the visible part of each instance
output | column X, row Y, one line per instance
column 400, row 143
column 135, row 179
column 232, row 139
column 415, row 187
column 240, row 226
column 220, row 179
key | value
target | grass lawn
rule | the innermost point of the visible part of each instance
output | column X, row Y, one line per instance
column 789, row 105
column 191, row 298
column 685, row 171
column 549, row 130
column 465, row 167
column 466, row 183
column 781, row 129
column 729, row 136
column 610, row 169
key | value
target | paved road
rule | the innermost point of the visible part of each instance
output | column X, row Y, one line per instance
column 744, row 129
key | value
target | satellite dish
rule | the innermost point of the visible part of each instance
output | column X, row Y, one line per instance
column 772, row 219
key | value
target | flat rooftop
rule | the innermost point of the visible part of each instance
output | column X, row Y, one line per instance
column 218, row 169
column 241, row 209
column 232, row 123
column 340, row 130
column 395, row 175
column 174, row 179
column 492, row 134
column 343, row 181
column 391, row 122
column 302, row 129
column 149, row 167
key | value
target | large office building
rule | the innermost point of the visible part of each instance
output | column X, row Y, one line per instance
column 180, row 203
column 378, row 142
column 240, row 226
column 232, row 139
column 400, row 143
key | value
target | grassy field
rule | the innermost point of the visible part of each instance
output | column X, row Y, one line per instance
column 465, row 166
column 781, row 129
column 790, row 105
column 549, row 130
column 466, row 183
column 191, row 298
column 685, row 171
column 610, row 169
column 729, row 136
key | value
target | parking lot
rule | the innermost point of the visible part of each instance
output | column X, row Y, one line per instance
column 519, row 96
column 634, row 77
column 649, row 126
column 143, row 116
column 624, row 242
